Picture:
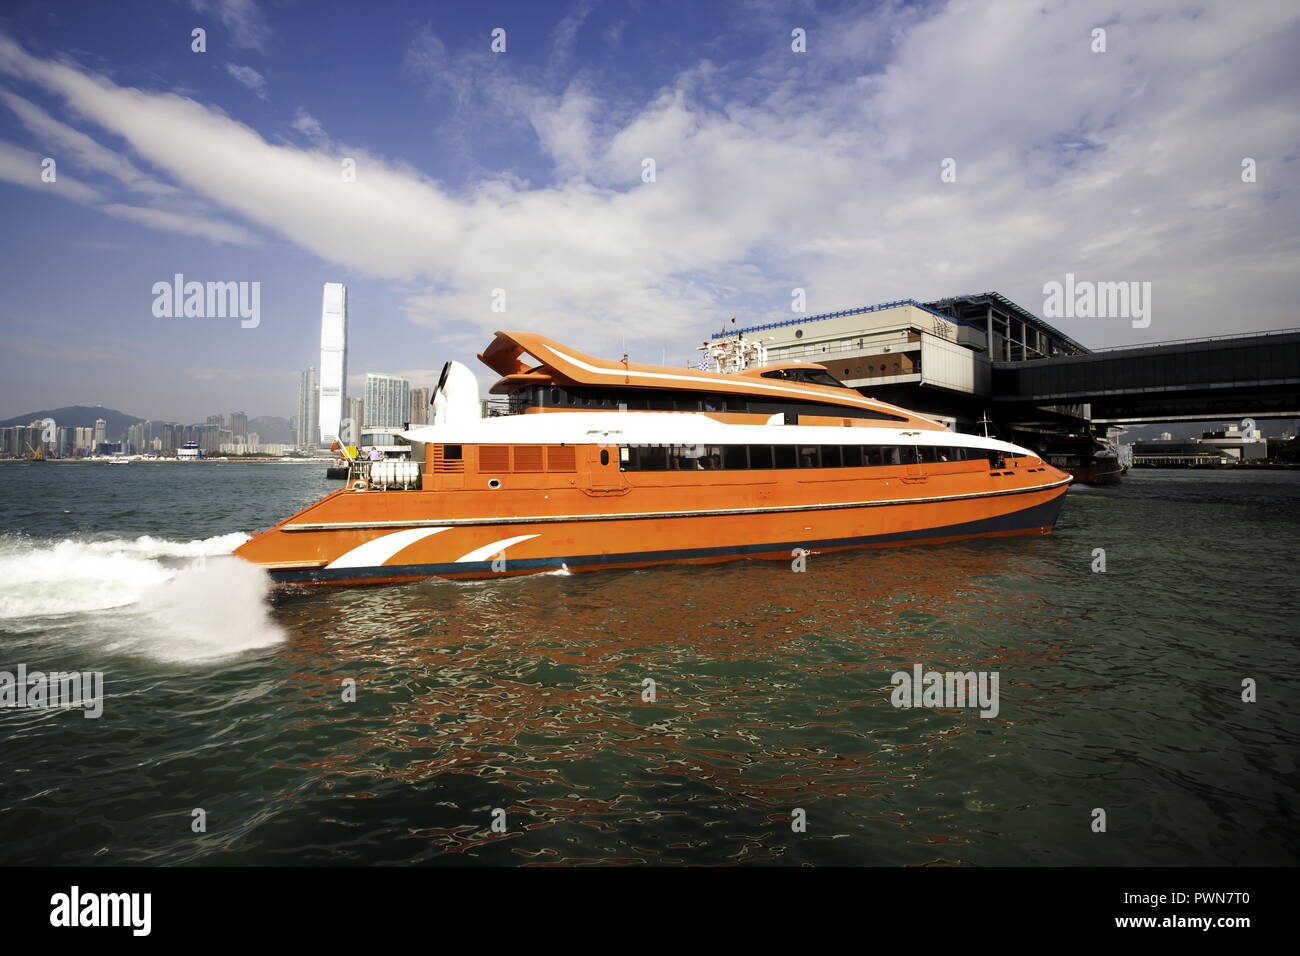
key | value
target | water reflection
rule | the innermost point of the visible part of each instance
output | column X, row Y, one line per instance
column 772, row 692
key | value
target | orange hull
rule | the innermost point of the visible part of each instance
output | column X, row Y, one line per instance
column 375, row 537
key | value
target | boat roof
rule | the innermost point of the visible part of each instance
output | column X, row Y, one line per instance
column 679, row 428
column 525, row 358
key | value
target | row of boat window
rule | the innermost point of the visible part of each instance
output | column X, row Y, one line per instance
column 741, row 457
column 657, row 400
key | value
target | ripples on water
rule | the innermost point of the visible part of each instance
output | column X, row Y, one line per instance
column 1118, row 690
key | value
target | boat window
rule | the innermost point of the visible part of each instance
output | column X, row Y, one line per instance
column 604, row 456
column 907, row 455
column 831, row 456
column 652, row 458
column 785, row 456
column 555, row 396
column 734, row 457
column 929, row 454
column 451, row 452
column 808, row 457
column 852, row 455
column 685, row 457
column 809, row 376
column 760, row 456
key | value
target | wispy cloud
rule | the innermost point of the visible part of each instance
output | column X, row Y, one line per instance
column 249, row 77
column 565, row 36
column 60, row 137
column 242, row 18
column 192, row 225
column 23, row 167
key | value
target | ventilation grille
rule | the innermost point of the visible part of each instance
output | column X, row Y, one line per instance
column 561, row 458
column 528, row 458
column 493, row 458
column 443, row 464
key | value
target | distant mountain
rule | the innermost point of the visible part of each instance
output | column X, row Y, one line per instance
column 80, row 416
column 271, row 430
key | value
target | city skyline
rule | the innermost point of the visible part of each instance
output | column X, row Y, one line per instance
column 618, row 178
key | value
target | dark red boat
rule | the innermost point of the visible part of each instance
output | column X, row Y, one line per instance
column 1089, row 459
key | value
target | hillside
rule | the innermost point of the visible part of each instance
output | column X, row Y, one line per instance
column 79, row 416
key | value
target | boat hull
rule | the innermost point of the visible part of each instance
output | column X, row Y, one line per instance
column 1101, row 472
column 322, row 547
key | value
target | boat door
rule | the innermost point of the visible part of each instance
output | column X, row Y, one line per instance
column 604, row 475
column 913, row 467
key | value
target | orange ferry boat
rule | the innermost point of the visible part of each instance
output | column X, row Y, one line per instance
column 619, row 465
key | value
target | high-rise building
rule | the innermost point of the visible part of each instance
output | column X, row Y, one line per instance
column 333, row 359
column 238, row 425
column 101, row 431
column 419, row 413
column 209, row 437
column 357, row 415
column 307, row 432
column 387, row 401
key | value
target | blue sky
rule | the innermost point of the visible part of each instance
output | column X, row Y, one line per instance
column 522, row 170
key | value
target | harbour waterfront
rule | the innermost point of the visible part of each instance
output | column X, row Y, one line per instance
column 1119, row 690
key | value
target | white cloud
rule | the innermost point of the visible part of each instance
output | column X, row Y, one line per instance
column 59, row 136
column 23, row 167
column 809, row 170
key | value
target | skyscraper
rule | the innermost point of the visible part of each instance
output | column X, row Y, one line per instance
column 238, row 425
column 419, row 413
column 357, row 415
column 307, row 422
column 387, row 401
column 101, row 431
column 333, row 359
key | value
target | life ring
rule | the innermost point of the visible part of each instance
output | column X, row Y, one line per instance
column 359, row 485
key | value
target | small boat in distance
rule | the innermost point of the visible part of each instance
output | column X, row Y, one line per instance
column 613, row 464
column 1089, row 459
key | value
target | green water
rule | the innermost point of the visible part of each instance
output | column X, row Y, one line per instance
column 1119, row 690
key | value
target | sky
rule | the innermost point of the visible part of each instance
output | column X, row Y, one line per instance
column 524, row 170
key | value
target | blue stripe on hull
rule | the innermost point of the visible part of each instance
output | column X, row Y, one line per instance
column 1037, row 516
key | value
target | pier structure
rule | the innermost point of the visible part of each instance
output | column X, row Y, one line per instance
column 965, row 357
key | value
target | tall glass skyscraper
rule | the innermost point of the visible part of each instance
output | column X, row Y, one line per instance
column 333, row 360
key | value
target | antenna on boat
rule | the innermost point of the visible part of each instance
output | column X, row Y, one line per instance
column 984, row 422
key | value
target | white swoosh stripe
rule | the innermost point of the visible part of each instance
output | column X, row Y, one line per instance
column 856, row 398
column 488, row 550
column 377, row 551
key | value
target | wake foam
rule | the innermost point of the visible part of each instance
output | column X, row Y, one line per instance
column 170, row 600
